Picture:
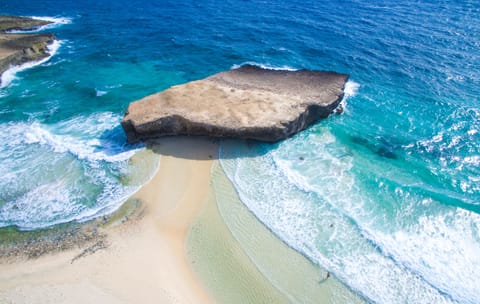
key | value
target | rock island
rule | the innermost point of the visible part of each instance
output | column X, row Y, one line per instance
column 248, row 102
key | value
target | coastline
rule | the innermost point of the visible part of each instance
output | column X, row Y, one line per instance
column 18, row 49
column 14, row 63
column 252, row 264
column 384, row 196
column 184, row 237
column 139, row 260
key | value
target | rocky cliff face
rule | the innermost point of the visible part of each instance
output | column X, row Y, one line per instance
column 248, row 102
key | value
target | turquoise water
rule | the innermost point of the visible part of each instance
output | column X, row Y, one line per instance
column 385, row 196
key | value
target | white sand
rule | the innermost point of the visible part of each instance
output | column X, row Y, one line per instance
column 145, row 261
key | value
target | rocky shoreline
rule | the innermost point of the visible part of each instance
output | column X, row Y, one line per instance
column 11, row 23
column 248, row 103
column 89, row 236
column 17, row 49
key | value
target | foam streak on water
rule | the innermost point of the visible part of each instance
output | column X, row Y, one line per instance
column 265, row 66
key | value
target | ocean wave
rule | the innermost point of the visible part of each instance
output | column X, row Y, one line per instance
column 82, row 137
column 424, row 244
column 350, row 90
column 10, row 75
column 440, row 248
column 62, row 201
column 265, row 66
column 309, row 197
column 73, row 170
column 73, row 194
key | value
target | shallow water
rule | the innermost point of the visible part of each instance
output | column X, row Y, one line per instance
column 385, row 196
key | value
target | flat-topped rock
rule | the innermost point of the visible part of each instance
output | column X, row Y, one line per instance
column 248, row 102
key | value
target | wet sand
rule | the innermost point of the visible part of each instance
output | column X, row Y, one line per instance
column 241, row 261
column 141, row 260
column 182, row 238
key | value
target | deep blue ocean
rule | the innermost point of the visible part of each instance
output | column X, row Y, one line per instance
column 385, row 196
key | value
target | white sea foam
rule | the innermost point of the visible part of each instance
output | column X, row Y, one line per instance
column 66, row 199
column 62, row 200
column 440, row 248
column 66, row 171
column 56, row 21
column 453, row 149
column 443, row 249
column 80, row 137
column 11, row 74
column 28, row 210
column 309, row 198
column 351, row 88
column 265, row 66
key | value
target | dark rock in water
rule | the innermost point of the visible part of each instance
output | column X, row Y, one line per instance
column 248, row 102
column 16, row 49
column 9, row 23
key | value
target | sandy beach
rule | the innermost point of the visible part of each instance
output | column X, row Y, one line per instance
column 102, row 199
column 184, row 237
column 144, row 258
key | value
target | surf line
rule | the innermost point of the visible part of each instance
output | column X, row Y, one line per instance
column 10, row 74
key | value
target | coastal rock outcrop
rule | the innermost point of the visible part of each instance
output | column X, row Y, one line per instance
column 248, row 102
column 9, row 23
column 16, row 49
